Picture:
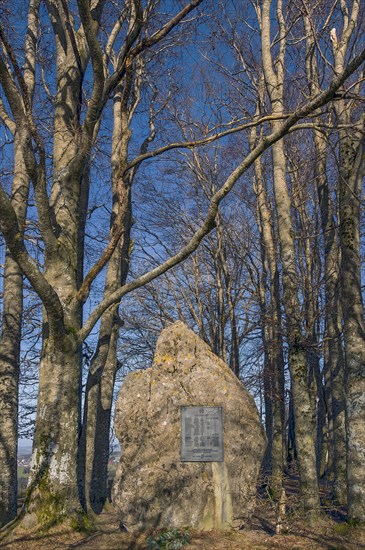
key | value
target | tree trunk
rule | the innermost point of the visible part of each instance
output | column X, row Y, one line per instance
column 272, row 336
column 309, row 261
column 334, row 368
column 95, row 435
column 297, row 356
column 9, row 378
column 10, row 355
column 351, row 173
column 297, row 359
column 352, row 169
column 13, row 301
column 53, row 494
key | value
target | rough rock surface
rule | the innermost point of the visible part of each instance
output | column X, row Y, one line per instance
column 152, row 487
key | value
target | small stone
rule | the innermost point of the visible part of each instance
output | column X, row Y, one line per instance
column 153, row 488
column 29, row 521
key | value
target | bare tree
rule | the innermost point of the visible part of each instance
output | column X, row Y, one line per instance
column 13, row 295
column 351, row 175
column 272, row 331
column 303, row 411
column 83, row 86
column 333, row 353
column 53, row 488
column 350, row 125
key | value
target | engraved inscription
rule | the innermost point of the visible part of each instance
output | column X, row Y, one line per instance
column 201, row 434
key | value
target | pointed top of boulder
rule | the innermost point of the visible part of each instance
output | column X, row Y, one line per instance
column 180, row 348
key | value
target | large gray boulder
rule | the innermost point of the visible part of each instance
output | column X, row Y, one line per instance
column 153, row 488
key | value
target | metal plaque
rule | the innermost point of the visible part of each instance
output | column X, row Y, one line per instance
column 201, row 434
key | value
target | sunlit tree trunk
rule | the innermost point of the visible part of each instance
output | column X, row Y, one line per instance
column 334, row 369
column 272, row 336
column 53, row 493
column 95, row 436
column 303, row 412
column 310, row 277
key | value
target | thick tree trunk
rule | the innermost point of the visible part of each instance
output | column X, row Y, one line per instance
column 53, row 494
column 352, row 169
column 297, row 356
column 94, row 442
column 303, row 412
column 351, row 174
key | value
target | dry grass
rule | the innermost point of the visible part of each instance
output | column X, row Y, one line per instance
column 329, row 532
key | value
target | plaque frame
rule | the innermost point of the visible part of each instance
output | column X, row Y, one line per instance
column 201, row 418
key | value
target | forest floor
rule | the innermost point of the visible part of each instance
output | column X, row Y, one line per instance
column 330, row 532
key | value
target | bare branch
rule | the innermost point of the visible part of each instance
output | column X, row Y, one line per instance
column 209, row 222
column 129, row 51
column 204, row 141
column 91, row 28
column 13, row 235
column 6, row 118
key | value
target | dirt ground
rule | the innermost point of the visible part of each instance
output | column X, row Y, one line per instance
column 330, row 532
column 259, row 534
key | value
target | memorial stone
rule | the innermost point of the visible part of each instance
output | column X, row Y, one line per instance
column 191, row 440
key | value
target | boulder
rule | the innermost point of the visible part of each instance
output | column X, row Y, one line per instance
column 153, row 488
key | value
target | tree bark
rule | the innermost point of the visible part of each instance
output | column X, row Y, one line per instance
column 95, row 435
column 352, row 171
column 351, row 174
column 52, row 494
column 10, row 354
column 334, row 368
column 94, row 442
column 13, row 302
column 272, row 337
column 303, row 411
